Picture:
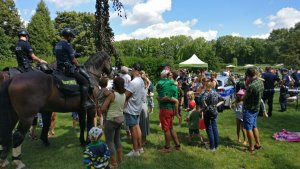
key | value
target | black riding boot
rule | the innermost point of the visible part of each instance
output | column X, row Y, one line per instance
column 87, row 76
column 85, row 101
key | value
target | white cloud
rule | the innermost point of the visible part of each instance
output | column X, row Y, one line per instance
column 262, row 36
column 147, row 13
column 235, row 34
column 173, row 28
column 67, row 3
column 258, row 22
column 32, row 12
column 284, row 18
column 131, row 2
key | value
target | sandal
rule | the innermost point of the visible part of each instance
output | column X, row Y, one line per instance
column 178, row 147
column 165, row 149
column 249, row 150
column 257, row 147
column 113, row 165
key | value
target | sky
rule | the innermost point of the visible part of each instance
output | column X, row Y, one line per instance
column 196, row 18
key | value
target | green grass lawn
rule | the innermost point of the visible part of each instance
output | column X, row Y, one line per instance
column 65, row 152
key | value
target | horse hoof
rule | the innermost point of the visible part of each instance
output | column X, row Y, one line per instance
column 4, row 164
column 19, row 164
column 46, row 143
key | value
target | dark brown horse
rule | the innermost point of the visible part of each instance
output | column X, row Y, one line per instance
column 23, row 96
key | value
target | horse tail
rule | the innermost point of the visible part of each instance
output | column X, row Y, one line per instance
column 6, row 112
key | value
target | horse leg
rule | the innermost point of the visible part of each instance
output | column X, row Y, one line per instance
column 82, row 119
column 46, row 116
column 18, row 138
column 4, row 150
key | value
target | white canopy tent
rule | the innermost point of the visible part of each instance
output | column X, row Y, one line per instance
column 230, row 66
column 193, row 61
column 248, row 65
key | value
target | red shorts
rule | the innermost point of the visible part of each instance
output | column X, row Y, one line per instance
column 166, row 119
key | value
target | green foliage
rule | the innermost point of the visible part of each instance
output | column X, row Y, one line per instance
column 83, row 24
column 290, row 55
column 151, row 65
column 104, row 35
column 234, row 61
column 5, row 51
column 42, row 31
column 10, row 22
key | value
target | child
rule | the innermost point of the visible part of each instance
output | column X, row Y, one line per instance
column 193, row 118
column 97, row 154
column 32, row 129
column 101, row 96
column 74, row 120
column 238, row 108
column 191, row 98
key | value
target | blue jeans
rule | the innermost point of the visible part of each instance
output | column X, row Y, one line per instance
column 212, row 132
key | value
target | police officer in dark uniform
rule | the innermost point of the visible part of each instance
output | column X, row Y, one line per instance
column 24, row 52
column 284, row 89
column 269, row 84
column 67, row 63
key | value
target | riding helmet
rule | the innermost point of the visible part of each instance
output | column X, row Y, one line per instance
column 95, row 133
column 68, row 32
column 23, row 32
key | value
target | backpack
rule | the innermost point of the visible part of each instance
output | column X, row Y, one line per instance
column 212, row 100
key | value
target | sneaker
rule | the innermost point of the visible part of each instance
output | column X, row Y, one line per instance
column 141, row 150
column 133, row 154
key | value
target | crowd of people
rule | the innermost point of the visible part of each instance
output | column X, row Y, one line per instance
column 131, row 100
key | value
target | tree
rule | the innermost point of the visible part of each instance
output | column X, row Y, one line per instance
column 42, row 31
column 104, row 34
column 276, row 44
column 234, row 61
column 5, row 51
column 290, row 53
column 10, row 21
column 84, row 25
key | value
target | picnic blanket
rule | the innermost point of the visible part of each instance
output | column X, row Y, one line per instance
column 285, row 135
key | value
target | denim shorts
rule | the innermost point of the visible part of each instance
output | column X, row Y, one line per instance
column 131, row 120
column 249, row 118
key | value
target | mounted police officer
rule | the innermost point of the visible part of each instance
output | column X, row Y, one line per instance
column 68, row 64
column 24, row 52
column 284, row 89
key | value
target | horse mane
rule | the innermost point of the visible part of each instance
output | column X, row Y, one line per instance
column 95, row 61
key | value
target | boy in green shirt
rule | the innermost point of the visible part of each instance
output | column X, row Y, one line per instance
column 193, row 119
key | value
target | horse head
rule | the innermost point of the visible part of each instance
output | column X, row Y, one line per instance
column 99, row 64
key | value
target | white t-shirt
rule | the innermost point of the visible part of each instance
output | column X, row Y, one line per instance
column 127, row 79
column 135, row 102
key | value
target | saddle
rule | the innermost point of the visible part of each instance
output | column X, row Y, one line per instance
column 13, row 71
column 66, row 85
